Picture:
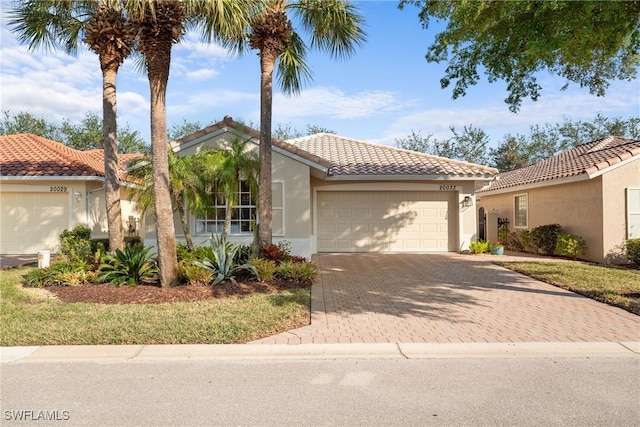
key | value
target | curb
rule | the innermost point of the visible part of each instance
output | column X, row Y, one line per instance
column 145, row 353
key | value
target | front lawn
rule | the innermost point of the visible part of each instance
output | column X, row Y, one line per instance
column 615, row 286
column 32, row 317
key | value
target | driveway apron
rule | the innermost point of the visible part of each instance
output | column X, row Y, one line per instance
column 443, row 298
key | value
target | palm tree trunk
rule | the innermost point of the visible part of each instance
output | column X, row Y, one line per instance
column 158, row 61
column 227, row 219
column 183, row 219
column 267, row 63
column 109, row 132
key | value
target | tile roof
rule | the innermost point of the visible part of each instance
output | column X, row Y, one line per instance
column 350, row 157
column 587, row 159
column 30, row 155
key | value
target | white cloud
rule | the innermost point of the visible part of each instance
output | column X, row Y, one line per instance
column 201, row 74
column 325, row 102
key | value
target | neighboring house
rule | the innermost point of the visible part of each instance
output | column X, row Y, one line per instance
column 335, row 194
column 47, row 187
column 592, row 190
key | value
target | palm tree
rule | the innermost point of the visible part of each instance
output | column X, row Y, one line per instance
column 334, row 26
column 231, row 166
column 59, row 23
column 160, row 24
column 187, row 187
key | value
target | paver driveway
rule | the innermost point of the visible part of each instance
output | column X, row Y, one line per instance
column 441, row 298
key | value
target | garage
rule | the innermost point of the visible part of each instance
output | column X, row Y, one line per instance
column 385, row 221
column 32, row 221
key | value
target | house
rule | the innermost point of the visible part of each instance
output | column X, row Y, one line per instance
column 336, row 194
column 592, row 191
column 330, row 194
column 47, row 187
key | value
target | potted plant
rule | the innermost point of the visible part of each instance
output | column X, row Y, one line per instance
column 496, row 249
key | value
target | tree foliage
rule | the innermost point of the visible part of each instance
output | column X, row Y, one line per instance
column 587, row 42
column 85, row 135
column 469, row 145
column 514, row 151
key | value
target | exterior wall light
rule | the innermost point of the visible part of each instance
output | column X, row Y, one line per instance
column 77, row 196
column 467, row 202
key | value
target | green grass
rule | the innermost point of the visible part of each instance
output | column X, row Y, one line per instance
column 29, row 319
column 614, row 286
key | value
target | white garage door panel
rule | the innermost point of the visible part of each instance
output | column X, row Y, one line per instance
column 32, row 221
column 370, row 221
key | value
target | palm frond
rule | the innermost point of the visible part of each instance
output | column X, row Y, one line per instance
column 293, row 70
column 335, row 26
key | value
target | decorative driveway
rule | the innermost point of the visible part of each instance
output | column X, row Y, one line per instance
column 443, row 298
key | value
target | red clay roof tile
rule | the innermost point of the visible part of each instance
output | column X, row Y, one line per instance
column 590, row 158
column 30, row 155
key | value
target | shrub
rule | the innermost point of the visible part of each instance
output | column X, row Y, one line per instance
column 518, row 240
column 632, row 248
column 479, row 247
column 193, row 274
column 285, row 247
column 222, row 263
column 545, row 237
column 133, row 241
column 96, row 242
column 298, row 271
column 265, row 268
column 243, row 255
column 54, row 275
column 132, row 266
column 183, row 252
column 76, row 244
column 503, row 235
column 570, row 245
column 274, row 253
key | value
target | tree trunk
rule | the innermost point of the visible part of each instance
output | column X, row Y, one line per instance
column 109, row 134
column 158, row 61
column 227, row 219
column 267, row 63
column 183, row 219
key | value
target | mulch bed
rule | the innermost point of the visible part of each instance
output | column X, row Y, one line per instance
column 150, row 294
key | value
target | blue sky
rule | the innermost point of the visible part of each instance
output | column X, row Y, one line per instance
column 384, row 92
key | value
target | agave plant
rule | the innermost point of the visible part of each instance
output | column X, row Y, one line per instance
column 131, row 266
column 222, row 264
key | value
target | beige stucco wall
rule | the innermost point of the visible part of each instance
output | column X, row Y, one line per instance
column 614, row 184
column 462, row 225
column 576, row 206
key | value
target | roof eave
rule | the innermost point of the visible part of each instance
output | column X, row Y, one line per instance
column 51, row 178
column 410, row 177
column 537, row 184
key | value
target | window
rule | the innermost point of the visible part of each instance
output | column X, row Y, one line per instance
column 243, row 215
column 633, row 213
column 521, row 211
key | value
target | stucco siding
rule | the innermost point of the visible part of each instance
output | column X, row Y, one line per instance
column 614, row 184
column 576, row 206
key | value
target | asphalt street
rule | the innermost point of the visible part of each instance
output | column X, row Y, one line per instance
column 556, row 390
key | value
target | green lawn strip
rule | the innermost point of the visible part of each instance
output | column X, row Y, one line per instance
column 613, row 286
column 30, row 320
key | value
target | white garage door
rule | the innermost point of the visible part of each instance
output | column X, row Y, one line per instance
column 32, row 221
column 377, row 221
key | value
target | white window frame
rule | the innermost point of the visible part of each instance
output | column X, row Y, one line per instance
column 632, row 213
column 279, row 208
column 516, row 209
column 215, row 225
